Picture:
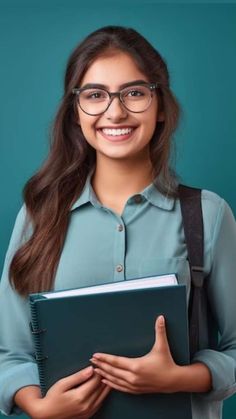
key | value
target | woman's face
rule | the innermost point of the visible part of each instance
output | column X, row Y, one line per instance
column 137, row 128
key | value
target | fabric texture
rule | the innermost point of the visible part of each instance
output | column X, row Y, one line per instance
column 102, row 246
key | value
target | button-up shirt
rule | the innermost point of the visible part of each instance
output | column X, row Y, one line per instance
column 146, row 239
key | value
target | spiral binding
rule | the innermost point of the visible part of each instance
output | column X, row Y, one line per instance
column 39, row 356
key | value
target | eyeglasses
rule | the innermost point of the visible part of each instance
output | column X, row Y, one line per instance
column 95, row 100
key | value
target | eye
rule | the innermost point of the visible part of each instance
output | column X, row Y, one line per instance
column 94, row 95
column 134, row 93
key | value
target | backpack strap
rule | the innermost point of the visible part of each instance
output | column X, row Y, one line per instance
column 191, row 208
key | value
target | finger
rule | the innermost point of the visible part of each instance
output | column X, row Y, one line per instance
column 116, row 380
column 161, row 341
column 102, row 395
column 92, row 385
column 90, row 391
column 76, row 379
column 113, row 371
column 114, row 360
column 87, row 395
column 124, row 389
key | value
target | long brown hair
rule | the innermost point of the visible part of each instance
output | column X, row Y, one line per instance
column 51, row 192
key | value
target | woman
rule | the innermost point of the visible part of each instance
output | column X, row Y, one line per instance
column 105, row 206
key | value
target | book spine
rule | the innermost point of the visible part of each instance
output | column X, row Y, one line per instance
column 39, row 356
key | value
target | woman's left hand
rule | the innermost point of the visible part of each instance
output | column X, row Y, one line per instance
column 151, row 373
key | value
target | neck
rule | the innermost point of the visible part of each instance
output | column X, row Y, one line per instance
column 116, row 180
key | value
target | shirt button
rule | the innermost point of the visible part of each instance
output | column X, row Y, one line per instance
column 119, row 268
column 138, row 199
column 120, row 227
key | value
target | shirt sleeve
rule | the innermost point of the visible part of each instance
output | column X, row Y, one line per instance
column 17, row 364
column 222, row 298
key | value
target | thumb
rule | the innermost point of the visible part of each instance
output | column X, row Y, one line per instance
column 161, row 342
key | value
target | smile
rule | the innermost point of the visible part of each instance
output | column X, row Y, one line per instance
column 117, row 131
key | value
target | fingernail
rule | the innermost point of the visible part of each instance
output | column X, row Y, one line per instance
column 96, row 356
column 161, row 320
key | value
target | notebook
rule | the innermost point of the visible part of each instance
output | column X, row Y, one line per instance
column 118, row 318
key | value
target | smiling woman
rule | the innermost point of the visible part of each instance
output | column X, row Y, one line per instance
column 89, row 218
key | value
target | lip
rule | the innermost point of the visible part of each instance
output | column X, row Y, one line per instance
column 116, row 126
column 117, row 138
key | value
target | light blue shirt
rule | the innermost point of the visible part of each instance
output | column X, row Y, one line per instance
column 101, row 246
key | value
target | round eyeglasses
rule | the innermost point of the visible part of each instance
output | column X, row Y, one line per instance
column 95, row 100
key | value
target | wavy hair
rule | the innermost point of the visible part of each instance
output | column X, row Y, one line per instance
column 51, row 192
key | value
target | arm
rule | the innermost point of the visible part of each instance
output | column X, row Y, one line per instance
column 78, row 396
column 19, row 380
column 17, row 363
column 222, row 293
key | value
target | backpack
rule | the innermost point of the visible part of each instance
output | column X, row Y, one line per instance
column 191, row 209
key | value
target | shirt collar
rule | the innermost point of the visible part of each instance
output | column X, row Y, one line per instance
column 150, row 193
column 156, row 198
column 87, row 194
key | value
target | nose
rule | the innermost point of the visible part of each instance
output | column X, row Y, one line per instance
column 116, row 110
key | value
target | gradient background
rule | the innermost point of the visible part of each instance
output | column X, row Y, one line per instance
column 196, row 39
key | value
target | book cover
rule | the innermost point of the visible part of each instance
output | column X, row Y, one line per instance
column 69, row 329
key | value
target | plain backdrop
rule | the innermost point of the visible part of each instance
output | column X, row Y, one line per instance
column 197, row 40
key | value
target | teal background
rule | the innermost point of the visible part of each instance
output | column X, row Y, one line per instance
column 198, row 42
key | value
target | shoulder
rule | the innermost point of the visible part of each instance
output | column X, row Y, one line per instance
column 21, row 216
column 212, row 203
column 21, row 231
column 218, row 217
column 21, row 223
column 217, row 214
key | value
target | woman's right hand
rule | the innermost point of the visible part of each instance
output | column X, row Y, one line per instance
column 77, row 396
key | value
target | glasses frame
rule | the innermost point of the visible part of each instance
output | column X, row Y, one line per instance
column 152, row 86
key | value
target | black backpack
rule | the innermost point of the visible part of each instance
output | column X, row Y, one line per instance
column 191, row 209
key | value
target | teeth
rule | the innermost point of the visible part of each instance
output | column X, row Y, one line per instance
column 119, row 131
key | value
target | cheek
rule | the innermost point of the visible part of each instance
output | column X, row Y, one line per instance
column 150, row 124
column 86, row 124
column 87, row 134
column 151, row 117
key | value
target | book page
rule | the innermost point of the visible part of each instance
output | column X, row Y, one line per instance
column 148, row 282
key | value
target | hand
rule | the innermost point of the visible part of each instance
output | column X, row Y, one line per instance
column 77, row 396
column 151, row 373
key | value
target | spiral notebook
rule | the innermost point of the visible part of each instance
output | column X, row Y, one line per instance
column 68, row 328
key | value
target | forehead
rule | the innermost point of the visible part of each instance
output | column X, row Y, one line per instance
column 113, row 70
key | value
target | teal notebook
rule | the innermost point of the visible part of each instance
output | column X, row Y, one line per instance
column 68, row 330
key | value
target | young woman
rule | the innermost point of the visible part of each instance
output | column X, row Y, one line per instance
column 105, row 206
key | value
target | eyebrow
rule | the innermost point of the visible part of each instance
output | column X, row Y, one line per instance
column 104, row 86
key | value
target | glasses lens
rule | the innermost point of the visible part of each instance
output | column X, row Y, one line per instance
column 93, row 101
column 136, row 98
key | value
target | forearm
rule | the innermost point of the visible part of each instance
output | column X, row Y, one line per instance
column 29, row 399
column 194, row 378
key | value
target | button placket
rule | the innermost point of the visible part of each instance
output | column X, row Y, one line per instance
column 119, row 268
column 120, row 227
column 119, row 251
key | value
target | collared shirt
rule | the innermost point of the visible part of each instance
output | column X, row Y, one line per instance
column 102, row 246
